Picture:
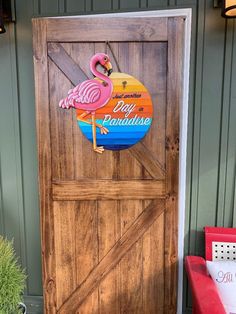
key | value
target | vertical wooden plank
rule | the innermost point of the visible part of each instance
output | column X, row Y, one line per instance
column 153, row 266
column 175, row 39
column 64, row 218
column 130, row 54
column 61, row 124
column 84, row 167
column 86, row 224
column 106, row 164
column 108, row 217
column 154, row 78
column 108, row 234
column 112, row 49
column 131, row 280
column 44, row 160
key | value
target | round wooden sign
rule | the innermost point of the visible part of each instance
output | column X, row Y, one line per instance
column 126, row 117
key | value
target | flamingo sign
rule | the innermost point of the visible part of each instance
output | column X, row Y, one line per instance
column 114, row 111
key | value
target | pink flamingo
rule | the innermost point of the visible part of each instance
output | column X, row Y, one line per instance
column 91, row 95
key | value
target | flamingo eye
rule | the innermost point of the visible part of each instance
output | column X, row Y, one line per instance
column 105, row 59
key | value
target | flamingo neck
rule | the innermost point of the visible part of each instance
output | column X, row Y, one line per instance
column 99, row 74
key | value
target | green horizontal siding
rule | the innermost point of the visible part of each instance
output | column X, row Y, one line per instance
column 211, row 133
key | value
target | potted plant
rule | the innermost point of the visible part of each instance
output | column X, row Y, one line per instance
column 12, row 280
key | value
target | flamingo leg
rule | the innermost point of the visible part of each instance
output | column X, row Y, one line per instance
column 103, row 130
column 96, row 148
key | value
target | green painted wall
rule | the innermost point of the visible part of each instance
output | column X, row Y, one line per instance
column 212, row 128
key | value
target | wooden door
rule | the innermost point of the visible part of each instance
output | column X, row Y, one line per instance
column 109, row 222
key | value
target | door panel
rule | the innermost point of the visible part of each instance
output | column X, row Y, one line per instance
column 108, row 222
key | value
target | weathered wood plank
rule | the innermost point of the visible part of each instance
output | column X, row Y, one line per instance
column 131, row 274
column 153, row 267
column 44, row 162
column 130, row 54
column 156, row 82
column 108, row 234
column 150, row 163
column 106, row 166
column 66, row 64
column 86, row 254
column 108, row 219
column 61, row 122
column 95, row 29
column 64, row 215
column 107, row 190
column 84, row 167
column 122, row 246
column 174, row 82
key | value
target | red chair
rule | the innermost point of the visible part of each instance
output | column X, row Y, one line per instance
column 220, row 244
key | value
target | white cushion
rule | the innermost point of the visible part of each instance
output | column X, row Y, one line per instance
column 224, row 275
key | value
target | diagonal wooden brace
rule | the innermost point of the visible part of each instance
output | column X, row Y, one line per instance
column 113, row 257
column 75, row 74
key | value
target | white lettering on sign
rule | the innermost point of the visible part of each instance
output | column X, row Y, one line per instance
column 123, row 107
column 108, row 120
column 127, row 109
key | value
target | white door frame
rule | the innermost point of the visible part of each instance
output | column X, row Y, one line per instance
column 187, row 14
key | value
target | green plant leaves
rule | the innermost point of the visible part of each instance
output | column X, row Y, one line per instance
column 12, row 279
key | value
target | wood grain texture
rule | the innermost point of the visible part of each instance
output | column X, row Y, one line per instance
column 65, row 245
column 129, row 55
column 61, row 58
column 83, row 29
column 174, row 81
column 44, row 153
column 122, row 246
column 150, row 163
column 155, row 81
column 119, row 254
column 61, row 122
column 108, row 190
column 109, row 232
column 87, row 249
column 131, row 266
column 154, row 267
column 84, row 167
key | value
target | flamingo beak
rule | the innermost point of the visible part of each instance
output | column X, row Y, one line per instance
column 108, row 67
